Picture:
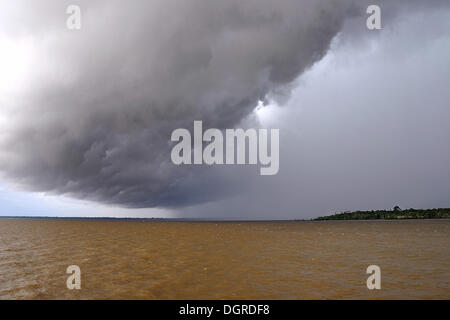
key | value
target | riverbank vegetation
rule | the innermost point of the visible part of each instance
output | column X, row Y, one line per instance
column 394, row 214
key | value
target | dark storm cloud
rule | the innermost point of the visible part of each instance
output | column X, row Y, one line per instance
column 95, row 118
column 365, row 128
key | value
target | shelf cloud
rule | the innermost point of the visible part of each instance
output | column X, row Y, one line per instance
column 92, row 112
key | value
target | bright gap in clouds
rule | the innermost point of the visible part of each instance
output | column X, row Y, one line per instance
column 266, row 112
column 15, row 61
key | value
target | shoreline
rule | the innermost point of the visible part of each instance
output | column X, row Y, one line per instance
column 206, row 220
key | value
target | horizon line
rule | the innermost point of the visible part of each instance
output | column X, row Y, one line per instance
column 151, row 218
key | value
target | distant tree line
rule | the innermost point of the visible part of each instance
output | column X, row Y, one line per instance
column 395, row 213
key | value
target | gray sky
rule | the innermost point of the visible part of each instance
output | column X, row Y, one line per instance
column 363, row 115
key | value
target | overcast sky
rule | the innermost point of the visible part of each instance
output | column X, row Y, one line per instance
column 86, row 115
